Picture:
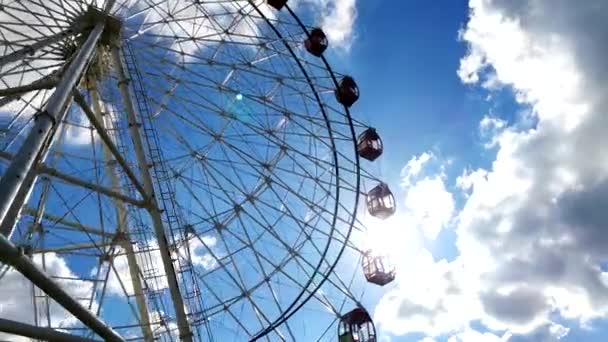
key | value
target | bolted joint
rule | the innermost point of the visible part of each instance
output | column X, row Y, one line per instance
column 120, row 237
column 25, row 250
column 124, row 81
column 37, row 228
column 106, row 257
column 45, row 113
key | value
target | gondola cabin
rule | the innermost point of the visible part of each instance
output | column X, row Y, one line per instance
column 356, row 326
column 369, row 145
column 347, row 92
column 316, row 43
column 381, row 202
column 377, row 268
column 277, row 4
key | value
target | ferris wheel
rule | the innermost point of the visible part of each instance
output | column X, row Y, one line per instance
column 180, row 170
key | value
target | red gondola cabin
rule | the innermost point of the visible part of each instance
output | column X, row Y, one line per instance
column 381, row 202
column 377, row 269
column 347, row 92
column 277, row 4
column 316, row 43
column 356, row 326
column 369, row 145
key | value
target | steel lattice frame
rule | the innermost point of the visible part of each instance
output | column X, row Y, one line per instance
column 181, row 168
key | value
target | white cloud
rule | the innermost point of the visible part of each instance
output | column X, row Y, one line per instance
column 545, row 333
column 150, row 264
column 200, row 252
column 16, row 295
column 531, row 232
column 337, row 18
column 471, row 335
column 414, row 166
column 468, row 178
column 425, row 299
column 163, row 324
column 428, row 205
column 489, row 128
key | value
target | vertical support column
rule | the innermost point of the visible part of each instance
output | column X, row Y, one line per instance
column 178, row 303
column 17, row 182
column 36, row 226
column 121, row 214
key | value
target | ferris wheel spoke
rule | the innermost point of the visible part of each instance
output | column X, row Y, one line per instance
column 31, row 49
column 268, row 283
column 47, row 82
column 51, row 12
column 225, row 306
column 107, row 140
column 263, row 320
column 74, row 247
column 123, row 288
column 71, row 211
column 258, row 99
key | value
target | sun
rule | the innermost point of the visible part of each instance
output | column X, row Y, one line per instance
column 396, row 238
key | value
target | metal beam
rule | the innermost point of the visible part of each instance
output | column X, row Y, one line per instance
column 110, row 149
column 40, row 333
column 21, row 197
column 81, row 183
column 109, row 144
column 91, row 186
column 183, row 326
column 11, row 255
column 74, row 247
column 47, row 82
column 14, row 183
column 78, row 226
column 30, row 49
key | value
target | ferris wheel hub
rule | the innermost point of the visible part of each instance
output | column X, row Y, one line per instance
column 94, row 15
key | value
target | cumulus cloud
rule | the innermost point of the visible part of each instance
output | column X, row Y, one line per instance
column 472, row 335
column 150, row 264
column 428, row 205
column 530, row 233
column 337, row 18
column 16, row 295
column 544, row 333
column 414, row 166
column 489, row 129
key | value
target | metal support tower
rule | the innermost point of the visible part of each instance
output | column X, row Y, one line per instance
column 121, row 214
column 17, row 183
column 185, row 333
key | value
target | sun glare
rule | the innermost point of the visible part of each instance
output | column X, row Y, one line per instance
column 393, row 238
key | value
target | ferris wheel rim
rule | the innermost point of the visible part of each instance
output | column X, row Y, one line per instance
column 354, row 213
